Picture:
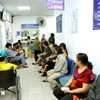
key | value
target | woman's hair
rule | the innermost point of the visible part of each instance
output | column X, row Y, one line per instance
column 52, row 35
column 59, row 50
column 45, row 43
column 19, row 41
column 43, row 34
column 84, row 60
column 28, row 37
column 63, row 45
column 8, row 44
column 14, row 44
column 17, row 47
column 31, row 42
column 55, row 45
column 36, row 38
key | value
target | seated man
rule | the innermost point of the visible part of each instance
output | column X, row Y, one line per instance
column 3, row 65
column 16, row 55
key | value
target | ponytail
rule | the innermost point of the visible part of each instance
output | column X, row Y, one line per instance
column 90, row 66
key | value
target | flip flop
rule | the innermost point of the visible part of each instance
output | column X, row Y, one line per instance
column 45, row 81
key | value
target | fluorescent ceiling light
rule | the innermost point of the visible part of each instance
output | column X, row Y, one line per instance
column 23, row 8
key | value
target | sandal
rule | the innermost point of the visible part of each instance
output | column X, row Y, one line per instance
column 45, row 80
column 34, row 63
column 39, row 71
column 44, row 74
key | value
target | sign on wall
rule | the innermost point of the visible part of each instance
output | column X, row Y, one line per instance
column 74, row 21
column 96, row 15
column 55, row 4
column 18, row 33
column 59, row 24
column 8, row 32
column 28, row 26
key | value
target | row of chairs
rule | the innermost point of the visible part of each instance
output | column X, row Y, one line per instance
column 71, row 67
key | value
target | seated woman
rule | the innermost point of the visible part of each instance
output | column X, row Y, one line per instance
column 79, row 83
column 16, row 55
column 64, row 49
column 51, row 45
column 5, row 66
column 59, row 69
column 47, row 52
column 14, row 47
column 65, row 53
column 49, row 62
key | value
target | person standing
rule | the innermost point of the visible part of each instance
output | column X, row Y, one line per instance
column 28, row 46
column 37, row 49
column 43, row 39
column 52, row 38
column 32, row 49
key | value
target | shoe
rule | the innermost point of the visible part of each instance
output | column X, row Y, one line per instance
column 26, row 57
column 39, row 71
column 34, row 63
column 39, row 65
column 25, row 66
column 45, row 80
column 43, row 74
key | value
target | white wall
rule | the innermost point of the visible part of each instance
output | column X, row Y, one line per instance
column 86, row 40
column 18, row 20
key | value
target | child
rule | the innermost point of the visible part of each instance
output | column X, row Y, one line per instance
column 32, row 49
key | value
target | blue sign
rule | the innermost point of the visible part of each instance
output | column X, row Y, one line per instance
column 59, row 23
column 96, row 15
column 55, row 4
column 27, row 26
column 18, row 33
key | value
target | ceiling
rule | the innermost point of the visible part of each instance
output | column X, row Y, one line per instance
column 37, row 7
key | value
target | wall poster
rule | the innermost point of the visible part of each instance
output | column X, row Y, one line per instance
column 74, row 21
column 96, row 15
column 9, row 32
column 59, row 23
column 18, row 33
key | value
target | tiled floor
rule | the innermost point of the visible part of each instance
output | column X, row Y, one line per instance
column 32, row 86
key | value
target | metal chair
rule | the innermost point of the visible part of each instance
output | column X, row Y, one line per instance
column 71, row 67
